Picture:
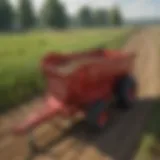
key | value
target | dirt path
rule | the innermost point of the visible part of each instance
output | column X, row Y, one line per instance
column 118, row 141
column 146, row 45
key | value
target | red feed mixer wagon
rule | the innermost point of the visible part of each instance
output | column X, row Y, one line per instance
column 84, row 83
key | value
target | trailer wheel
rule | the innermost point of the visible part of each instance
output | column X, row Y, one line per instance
column 98, row 116
column 126, row 92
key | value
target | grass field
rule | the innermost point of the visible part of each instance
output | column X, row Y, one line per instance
column 21, row 53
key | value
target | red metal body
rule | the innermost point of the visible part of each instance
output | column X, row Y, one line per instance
column 75, row 80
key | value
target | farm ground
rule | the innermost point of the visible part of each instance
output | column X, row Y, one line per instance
column 119, row 141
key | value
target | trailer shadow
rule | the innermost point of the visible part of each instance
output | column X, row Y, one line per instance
column 118, row 140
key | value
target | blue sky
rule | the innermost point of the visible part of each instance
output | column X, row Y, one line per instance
column 129, row 8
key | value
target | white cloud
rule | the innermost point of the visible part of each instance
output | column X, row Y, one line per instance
column 38, row 4
column 141, row 8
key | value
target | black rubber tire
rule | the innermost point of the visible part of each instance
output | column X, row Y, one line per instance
column 93, row 115
column 122, row 92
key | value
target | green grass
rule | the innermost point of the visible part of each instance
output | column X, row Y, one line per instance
column 151, row 136
column 20, row 55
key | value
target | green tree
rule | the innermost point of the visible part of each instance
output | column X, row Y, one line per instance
column 74, row 21
column 86, row 17
column 116, row 17
column 54, row 14
column 26, row 14
column 6, row 15
column 101, row 17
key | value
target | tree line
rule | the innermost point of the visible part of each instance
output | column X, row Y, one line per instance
column 54, row 15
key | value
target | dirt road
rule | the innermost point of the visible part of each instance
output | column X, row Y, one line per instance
column 119, row 140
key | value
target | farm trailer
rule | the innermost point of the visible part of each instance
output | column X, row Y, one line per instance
column 83, row 82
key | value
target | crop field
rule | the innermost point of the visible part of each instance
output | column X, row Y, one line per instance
column 20, row 55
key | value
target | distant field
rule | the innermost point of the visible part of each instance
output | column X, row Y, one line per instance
column 21, row 53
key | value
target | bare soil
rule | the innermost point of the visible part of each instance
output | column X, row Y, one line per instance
column 120, row 139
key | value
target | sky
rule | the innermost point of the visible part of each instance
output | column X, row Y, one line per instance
column 131, row 9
